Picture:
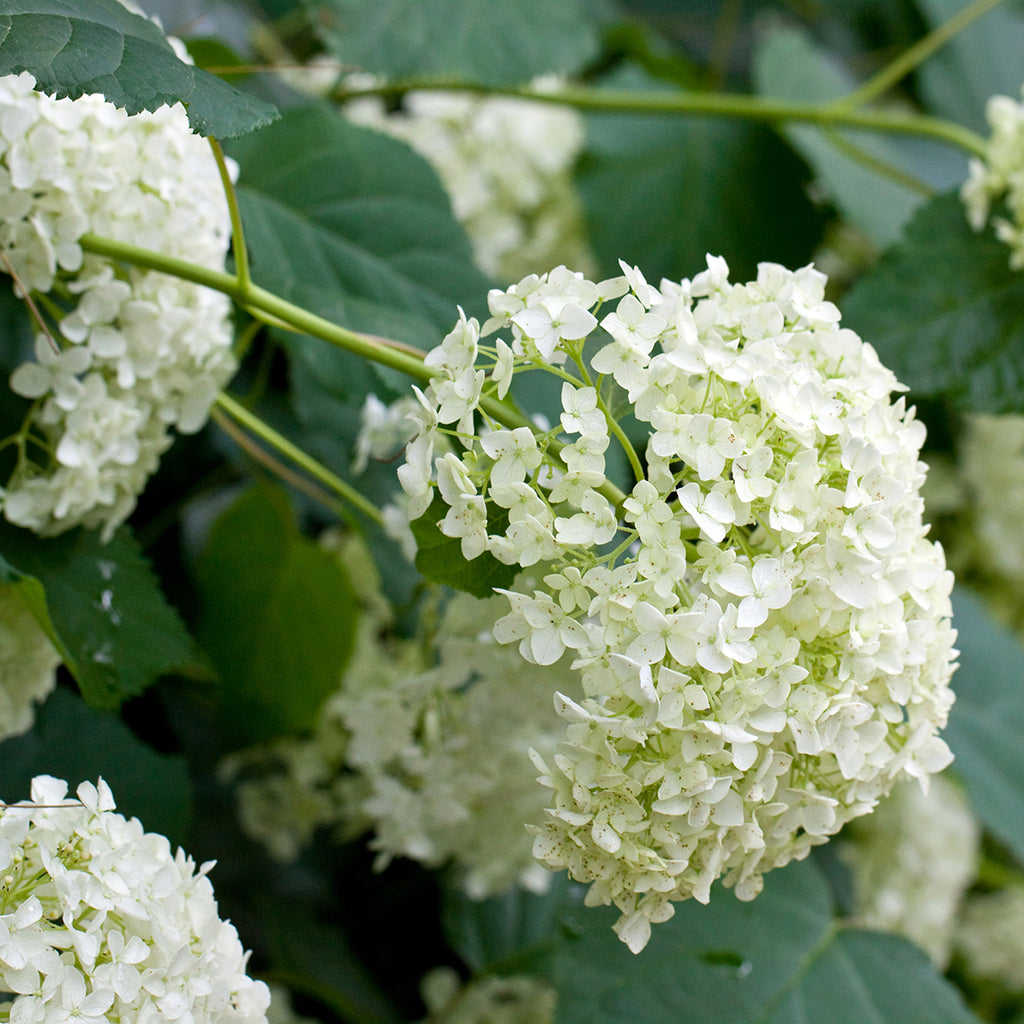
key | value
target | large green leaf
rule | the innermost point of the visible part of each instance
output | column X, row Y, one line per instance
column 945, row 312
column 277, row 617
column 781, row 958
column 74, row 742
column 480, row 40
column 987, row 721
column 849, row 165
column 103, row 608
column 355, row 226
column 662, row 192
column 985, row 59
column 74, row 47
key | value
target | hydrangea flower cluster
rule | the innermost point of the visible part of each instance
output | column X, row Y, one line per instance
column 133, row 352
column 1000, row 176
column 406, row 748
column 507, row 166
column 28, row 663
column 761, row 625
column 990, row 936
column 100, row 921
column 912, row 861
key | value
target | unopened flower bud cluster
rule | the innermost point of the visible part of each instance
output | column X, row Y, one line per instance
column 408, row 750
column 761, row 624
column 100, row 921
column 1000, row 177
column 507, row 166
column 132, row 353
column 28, row 663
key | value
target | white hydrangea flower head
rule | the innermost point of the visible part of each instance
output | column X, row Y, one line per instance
column 100, row 920
column 133, row 353
column 28, row 663
column 912, row 861
column 507, row 166
column 1000, row 176
column 761, row 625
column 517, row 999
column 990, row 936
column 407, row 750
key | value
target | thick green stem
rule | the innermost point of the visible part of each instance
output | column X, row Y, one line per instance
column 836, row 114
column 266, row 304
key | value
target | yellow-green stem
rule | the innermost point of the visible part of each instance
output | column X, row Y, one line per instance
column 266, row 433
column 238, row 248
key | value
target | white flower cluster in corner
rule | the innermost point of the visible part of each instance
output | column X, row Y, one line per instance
column 762, row 626
column 1000, row 176
column 408, row 748
column 101, row 921
column 133, row 353
column 507, row 166
column 28, row 663
column 912, row 860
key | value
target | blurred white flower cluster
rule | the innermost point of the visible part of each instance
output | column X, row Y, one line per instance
column 762, row 626
column 132, row 352
column 507, row 166
column 517, row 999
column 913, row 860
column 1000, row 177
column 100, row 921
column 28, row 663
column 990, row 936
column 425, row 744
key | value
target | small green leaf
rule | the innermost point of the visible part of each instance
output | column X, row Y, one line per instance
column 103, row 608
column 479, row 40
column 440, row 559
column 77, row 743
column 98, row 46
column 945, row 312
column 278, row 617
column 987, row 721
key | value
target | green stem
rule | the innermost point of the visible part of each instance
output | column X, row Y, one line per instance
column 265, row 432
column 238, row 248
column 898, row 69
column 258, row 300
column 714, row 104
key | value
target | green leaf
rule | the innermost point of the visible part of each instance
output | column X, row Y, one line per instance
column 440, row 559
column 662, row 192
column 945, row 312
column 103, row 608
column 479, row 40
column 355, row 226
column 987, row 721
column 788, row 66
column 278, row 617
column 781, row 958
column 985, row 59
column 98, row 46
column 77, row 743
column 316, row 958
